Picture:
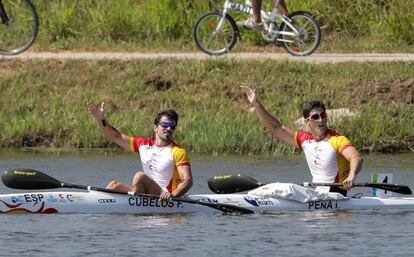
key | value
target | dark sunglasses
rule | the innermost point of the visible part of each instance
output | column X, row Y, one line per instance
column 171, row 125
column 317, row 116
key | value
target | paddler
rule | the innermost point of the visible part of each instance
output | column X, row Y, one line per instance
column 330, row 156
column 166, row 166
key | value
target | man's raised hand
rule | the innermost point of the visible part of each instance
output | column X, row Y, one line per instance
column 250, row 93
column 95, row 110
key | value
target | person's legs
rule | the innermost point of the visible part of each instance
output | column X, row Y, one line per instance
column 254, row 22
column 141, row 183
column 257, row 7
column 118, row 186
column 283, row 8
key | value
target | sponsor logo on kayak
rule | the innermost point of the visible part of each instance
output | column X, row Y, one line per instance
column 209, row 200
column 51, row 199
column 62, row 198
column 27, row 198
column 17, row 199
column 106, row 200
column 323, row 205
column 70, row 198
column 261, row 201
column 153, row 202
column 33, row 198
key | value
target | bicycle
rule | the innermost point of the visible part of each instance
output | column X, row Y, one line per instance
column 19, row 25
column 216, row 32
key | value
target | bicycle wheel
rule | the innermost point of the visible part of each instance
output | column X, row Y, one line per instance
column 214, row 42
column 19, row 30
column 309, row 37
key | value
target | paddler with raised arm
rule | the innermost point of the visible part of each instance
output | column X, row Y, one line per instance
column 330, row 156
column 166, row 166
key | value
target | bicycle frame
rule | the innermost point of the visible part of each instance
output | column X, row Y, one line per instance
column 267, row 17
column 216, row 32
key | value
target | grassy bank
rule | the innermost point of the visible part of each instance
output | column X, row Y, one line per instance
column 44, row 103
column 166, row 25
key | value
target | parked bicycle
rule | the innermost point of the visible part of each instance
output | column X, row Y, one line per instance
column 216, row 32
column 18, row 26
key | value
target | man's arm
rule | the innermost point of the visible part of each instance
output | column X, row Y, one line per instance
column 110, row 133
column 271, row 123
column 186, row 180
column 355, row 163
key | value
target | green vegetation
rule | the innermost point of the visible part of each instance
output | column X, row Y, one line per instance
column 44, row 103
column 166, row 25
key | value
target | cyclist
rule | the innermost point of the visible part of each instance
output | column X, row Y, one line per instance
column 255, row 22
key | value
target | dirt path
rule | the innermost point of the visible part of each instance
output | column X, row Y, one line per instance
column 315, row 58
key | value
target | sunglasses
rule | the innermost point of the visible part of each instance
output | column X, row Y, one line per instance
column 317, row 116
column 171, row 125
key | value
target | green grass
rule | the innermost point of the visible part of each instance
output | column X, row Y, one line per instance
column 44, row 103
column 166, row 25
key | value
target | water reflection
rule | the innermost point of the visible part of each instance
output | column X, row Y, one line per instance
column 313, row 218
column 155, row 221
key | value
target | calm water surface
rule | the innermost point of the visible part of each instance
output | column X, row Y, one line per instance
column 362, row 233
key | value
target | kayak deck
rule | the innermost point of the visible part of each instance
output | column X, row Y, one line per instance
column 101, row 202
column 263, row 204
column 92, row 202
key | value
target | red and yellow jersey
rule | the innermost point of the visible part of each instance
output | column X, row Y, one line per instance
column 160, row 163
column 324, row 157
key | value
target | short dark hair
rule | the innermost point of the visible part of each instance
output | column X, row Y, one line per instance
column 170, row 114
column 310, row 106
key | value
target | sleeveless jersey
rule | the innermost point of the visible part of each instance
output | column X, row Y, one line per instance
column 160, row 163
column 324, row 157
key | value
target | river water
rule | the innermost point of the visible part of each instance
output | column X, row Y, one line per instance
column 345, row 233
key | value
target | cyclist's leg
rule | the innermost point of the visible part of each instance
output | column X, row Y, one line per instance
column 257, row 7
column 254, row 22
column 282, row 7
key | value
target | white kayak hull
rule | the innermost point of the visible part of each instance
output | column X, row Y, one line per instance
column 100, row 202
column 266, row 204
column 92, row 202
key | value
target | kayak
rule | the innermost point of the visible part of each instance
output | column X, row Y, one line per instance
column 92, row 202
column 97, row 202
column 102, row 200
column 270, row 204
